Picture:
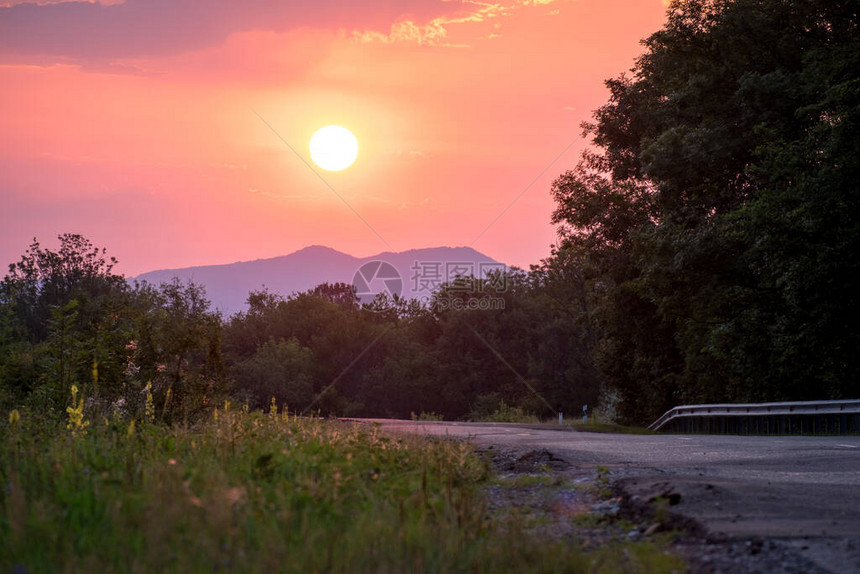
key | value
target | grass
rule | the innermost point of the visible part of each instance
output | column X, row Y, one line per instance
column 505, row 413
column 254, row 492
column 519, row 481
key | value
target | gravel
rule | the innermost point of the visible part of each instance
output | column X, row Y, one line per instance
column 567, row 499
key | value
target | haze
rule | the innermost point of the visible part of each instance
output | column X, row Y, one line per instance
column 135, row 123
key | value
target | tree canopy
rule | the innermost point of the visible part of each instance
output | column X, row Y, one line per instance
column 717, row 214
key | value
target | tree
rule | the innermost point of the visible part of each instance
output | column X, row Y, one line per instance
column 64, row 310
column 178, row 348
column 280, row 370
column 17, row 364
column 717, row 214
column 345, row 339
column 45, row 279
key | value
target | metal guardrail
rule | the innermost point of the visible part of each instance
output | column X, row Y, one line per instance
column 808, row 417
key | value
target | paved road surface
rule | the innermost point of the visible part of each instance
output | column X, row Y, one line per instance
column 803, row 489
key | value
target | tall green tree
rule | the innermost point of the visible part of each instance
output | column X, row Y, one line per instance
column 63, row 322
column 178, row 349
column 718, row 211
column 44, row 279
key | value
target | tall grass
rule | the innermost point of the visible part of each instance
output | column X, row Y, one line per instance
column 254, row 492
column 505, row 413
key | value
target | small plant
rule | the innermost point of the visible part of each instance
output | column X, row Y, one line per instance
column 506, row 413
column 601, row 482
column 661, row 512
column 77, row 423
column 149, row 408
column 524, row 481
column 167, row 397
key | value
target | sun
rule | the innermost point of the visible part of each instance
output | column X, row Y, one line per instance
column 333, row 148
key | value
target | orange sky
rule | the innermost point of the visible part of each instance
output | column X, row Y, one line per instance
column 134, row 123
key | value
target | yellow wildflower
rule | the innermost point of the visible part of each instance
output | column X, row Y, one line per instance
column 149, row 409
column 77, row 423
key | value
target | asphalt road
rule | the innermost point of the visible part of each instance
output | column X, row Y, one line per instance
column 805, row 490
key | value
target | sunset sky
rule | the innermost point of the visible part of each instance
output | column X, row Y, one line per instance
column 138, row 123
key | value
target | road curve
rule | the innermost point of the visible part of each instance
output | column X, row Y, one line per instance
column 802, row 489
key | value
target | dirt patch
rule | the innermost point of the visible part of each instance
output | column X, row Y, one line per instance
column 558, row 499
column 533, row 461
column 555, row 499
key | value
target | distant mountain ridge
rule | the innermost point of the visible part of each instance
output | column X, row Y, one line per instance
column 228, row 285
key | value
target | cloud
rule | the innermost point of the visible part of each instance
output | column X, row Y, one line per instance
column 435, row 31
column 97, row 34
column 83, row 31
column 432, row 34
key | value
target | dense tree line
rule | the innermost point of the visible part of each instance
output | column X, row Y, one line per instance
column 395, row 357
column 716, row 220
column 708, row 252
column 69, row 320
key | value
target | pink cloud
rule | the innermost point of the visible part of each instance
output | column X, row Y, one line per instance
column 82, row 31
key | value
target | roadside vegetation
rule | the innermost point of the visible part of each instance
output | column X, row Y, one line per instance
column 261, row 492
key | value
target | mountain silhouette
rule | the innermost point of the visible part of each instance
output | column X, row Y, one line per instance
column 420, row 271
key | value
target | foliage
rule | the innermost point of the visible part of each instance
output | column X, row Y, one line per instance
column 252, row 492
column 492, row 408
column 278, row 371
column 394, row 358
column 601, row 482
column 508, row 414
column 77, row 423
column 58, row 316
column 44, row 280
column 158, row 353
column 177, row 350
column 67, row 321
column 715, row 223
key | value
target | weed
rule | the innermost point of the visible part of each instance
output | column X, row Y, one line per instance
column 528, row 480
column 506, row 413
column 602, row 483
column 77, row 423
column 662, row 517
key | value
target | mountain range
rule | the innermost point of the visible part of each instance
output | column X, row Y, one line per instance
column 413, row 274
